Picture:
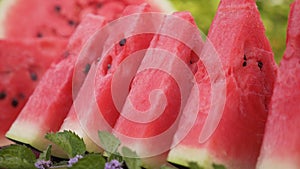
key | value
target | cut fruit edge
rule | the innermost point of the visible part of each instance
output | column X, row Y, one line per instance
column 201, row 156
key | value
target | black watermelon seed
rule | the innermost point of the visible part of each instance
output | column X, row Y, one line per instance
column 57, row 8
column 66, row 54
column 14, row 102
column 39, row 35
column 245, row 57
column 108, row 66
column 244, row 63
column 71, row 22
column 87, row 68
column 260, row 64
column 99, row 5
column 33, row 76
column 122, row 42
column 2, row 95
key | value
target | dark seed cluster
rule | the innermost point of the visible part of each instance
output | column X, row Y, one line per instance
column 245, row 61
column 14, row 102
column 39, row 35
column 260, row 64
column 33, row 76
column 2, row 95
column 122, row 42
column 87, row 68
column 57, row 8
column 108, row 66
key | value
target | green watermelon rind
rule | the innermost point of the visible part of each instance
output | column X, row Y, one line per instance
column 200, row 156
column 26, row 136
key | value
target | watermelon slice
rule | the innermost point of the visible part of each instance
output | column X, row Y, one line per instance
column 108, row 66
column 19, row 20
column 238, row 36
column 52, row 99
column 22, row 65
column 154, row 92
column 281, row 143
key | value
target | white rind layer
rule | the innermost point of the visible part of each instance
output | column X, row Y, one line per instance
column 279, row 163
column 4, row 8
column 25, row 132
column 75, row 126
column 21, row 131
column 164, row 5
column 182, row 155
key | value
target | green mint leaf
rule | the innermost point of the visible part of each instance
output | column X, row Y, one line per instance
column 68, row 141
column 90, row 161
column 46, row 154
column 131, row 158
column 194, row 165
column 115, row 156
column 109, row 142
column 17, row 157
column 218, row 166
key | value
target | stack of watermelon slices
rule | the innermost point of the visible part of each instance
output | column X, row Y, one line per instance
column 35, row 42
column 282, row 140
column 35, row 18
column 238, row 36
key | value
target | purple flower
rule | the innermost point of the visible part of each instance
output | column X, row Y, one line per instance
column 113, row 164
column 74, row 160
column 43, row 164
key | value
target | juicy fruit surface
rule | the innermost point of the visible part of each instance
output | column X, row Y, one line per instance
column 22, row 66
column 239, row 37
column 167, row 103
column 55, row 18
column 52, row 99
column 281, row 140
column 106, row 69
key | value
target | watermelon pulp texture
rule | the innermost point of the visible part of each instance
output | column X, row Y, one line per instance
column 141, row 88
column 52, row 99
column 281, row 143
column 23, row 64
column 238, row 35
column 57, row 18
column 107, row 67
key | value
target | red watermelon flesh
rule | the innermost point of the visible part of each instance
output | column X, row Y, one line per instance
column 22, row 65
column 55, row 18
column 132, row 133
column 281, row 145
column 238, row 36
column 52, row 99
column 103, row 79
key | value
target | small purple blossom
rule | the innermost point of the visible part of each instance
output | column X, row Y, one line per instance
column 43, row 164
column 74, row 160
column 113, row 164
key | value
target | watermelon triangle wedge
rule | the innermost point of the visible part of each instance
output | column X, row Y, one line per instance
column 238, row 36
column 86, row 108
column 281, row 143
column 23, row 63
column 51, row 100
column 150, row 113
